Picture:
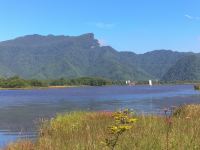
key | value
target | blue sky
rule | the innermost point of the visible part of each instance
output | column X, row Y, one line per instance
column 126, row 25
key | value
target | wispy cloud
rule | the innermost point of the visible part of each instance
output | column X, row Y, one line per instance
column 102, row 25
column 102, row 42
column 192, row 17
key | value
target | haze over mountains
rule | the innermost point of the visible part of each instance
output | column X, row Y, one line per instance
column 52, row 57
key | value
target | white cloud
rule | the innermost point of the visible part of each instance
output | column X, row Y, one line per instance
column 192, row 17
column 188, row 16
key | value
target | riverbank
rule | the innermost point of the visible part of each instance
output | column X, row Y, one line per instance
column 17, row 83
column 89, row 130
column 73, row 86
column 20, row 83
column 48, row 87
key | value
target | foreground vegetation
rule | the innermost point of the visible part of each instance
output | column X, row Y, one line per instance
column 177, row 130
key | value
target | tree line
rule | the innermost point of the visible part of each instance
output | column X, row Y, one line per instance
column 18, row 82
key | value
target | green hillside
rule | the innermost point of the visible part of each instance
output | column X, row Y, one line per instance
column 53, row 57
column 157, row 63
column 186, row 69
column 50, row 57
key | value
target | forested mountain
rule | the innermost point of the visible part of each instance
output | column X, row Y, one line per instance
column 52, row 57
column 156, row 63
column 186, row 69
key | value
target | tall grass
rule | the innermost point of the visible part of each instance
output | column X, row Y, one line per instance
column 87, row 131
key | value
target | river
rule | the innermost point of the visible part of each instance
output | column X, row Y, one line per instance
column 22, row 110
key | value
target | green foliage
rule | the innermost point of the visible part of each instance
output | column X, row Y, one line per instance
column 59, row 82
column 13, row 82
column 37, row 83
column 17, row 82
column 91, row 81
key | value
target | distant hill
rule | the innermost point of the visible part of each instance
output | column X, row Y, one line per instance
column 186, row 69
column 155, row 63
column 52, row 57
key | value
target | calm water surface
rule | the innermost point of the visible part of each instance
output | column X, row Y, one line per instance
column 20, row 110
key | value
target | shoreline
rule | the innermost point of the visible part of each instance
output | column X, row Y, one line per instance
column 73, row 86
column 49, row 87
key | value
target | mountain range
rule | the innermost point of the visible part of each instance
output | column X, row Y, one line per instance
column 53, row 57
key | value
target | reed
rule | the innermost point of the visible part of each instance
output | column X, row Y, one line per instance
column 88, row 130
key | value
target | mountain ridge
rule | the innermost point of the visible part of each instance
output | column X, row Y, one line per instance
column 52, row 56
column 186, row 69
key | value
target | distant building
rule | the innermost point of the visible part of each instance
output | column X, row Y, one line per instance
column 150, row 82
column 128, row 82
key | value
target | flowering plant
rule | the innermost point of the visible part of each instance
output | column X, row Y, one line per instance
column 123, row 121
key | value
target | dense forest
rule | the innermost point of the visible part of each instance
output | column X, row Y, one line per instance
column 17, row 82
column 187, row 68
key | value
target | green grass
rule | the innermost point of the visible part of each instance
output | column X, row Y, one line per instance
column 88, row 130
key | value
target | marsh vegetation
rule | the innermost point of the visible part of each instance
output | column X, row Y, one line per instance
column 89, row 130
